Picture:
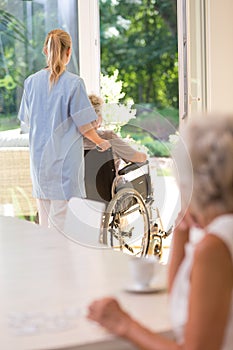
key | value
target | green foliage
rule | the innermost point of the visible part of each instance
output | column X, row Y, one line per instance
column 139, row 39
column 8, row 122
column 19, row 55
column 156, row 148
column 164, row 172
column 155, row 129
column 13, row 27
column 12, row 34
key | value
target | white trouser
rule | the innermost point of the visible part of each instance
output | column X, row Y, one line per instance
column 52, row 213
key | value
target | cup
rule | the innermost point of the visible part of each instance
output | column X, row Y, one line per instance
column 142, row 270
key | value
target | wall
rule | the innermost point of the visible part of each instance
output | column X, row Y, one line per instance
column 219, row 51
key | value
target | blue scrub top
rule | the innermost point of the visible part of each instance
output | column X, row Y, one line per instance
column 56, row 145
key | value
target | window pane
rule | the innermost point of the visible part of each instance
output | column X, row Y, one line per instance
column 23, row 27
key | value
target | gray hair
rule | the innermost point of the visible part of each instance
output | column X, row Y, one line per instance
column 209, row 180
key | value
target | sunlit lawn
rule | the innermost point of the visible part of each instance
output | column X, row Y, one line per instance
column 8, row 122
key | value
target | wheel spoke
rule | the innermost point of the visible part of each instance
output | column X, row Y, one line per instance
column 126, row 224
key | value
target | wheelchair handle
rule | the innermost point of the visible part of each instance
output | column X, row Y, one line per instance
column 131, row 167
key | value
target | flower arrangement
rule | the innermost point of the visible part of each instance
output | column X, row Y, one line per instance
column 115, row 114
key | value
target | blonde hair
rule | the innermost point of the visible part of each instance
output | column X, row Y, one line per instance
column 56, row 44
column 97, row 102
column 209, row 142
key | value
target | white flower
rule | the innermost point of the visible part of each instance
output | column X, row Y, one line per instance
column 115, row 114
column 111, row 88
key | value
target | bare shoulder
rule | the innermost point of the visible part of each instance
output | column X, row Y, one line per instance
column 212, row 246
column 213, row 254
column 210, row 294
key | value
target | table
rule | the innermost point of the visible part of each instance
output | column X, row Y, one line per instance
column 47, row 282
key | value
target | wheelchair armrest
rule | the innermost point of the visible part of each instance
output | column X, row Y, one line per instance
column 131, row 167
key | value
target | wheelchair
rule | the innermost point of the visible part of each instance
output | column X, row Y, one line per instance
column 130, row 222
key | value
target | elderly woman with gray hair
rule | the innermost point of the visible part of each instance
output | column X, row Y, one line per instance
column 200, row 275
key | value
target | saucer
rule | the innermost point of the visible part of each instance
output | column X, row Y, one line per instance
column 137, row 288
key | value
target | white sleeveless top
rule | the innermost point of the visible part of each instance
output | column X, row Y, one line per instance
column 222, row 227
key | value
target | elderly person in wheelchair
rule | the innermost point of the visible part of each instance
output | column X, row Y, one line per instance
column 126, row 192
column 121, row 149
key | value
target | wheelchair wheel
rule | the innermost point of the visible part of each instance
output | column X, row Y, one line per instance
column 126, row 225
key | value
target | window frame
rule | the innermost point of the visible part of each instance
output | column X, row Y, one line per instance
column 192, row 57
column 89, row 44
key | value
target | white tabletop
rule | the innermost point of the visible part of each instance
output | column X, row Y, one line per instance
column 47, row 282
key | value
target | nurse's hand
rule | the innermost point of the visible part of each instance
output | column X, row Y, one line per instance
column 103, row 146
